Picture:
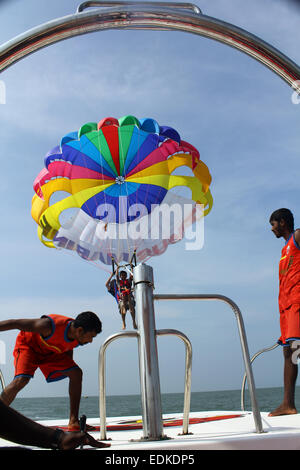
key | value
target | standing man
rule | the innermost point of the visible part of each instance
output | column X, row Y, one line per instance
column 47, row 343
column 282, row 222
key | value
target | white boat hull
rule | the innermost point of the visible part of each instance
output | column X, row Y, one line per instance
column 238, row 433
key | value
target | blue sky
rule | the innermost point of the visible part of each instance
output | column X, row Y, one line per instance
column 241, row 118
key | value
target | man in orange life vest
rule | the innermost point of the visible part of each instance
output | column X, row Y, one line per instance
column 47, row 343
column 282, row 222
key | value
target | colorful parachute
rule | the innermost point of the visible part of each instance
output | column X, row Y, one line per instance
column 121, row 180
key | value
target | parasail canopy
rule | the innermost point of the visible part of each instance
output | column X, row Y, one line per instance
column 126, row 186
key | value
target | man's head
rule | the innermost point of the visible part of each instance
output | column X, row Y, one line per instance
column 123, row 275
column 86, row 326
column 282, row 222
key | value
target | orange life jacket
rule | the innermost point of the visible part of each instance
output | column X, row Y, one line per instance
column 289, row 274
column 56, row 342
column 124, row 287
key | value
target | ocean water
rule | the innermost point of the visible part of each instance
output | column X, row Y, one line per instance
column 130, row 405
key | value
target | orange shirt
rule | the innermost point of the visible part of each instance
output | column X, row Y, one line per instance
column 57, row 342
column 289, row 274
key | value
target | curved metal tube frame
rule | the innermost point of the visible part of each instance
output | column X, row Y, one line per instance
column 243, row 340
column 188, row 374
column 2, row 380
column 245, row 377
column 181, row 6
column 153, row 16
column 102, row 375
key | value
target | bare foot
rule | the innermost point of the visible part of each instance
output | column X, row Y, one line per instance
column 283, row 410
column 75, row 427
column 123, row 327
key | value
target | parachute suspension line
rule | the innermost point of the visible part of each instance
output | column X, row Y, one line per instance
column 138, row 162
column 133, row 259
column 101, row 164
column 125, row 203
column 113, row 265
column 116, row 266
column 87, row 208
column 101, row 161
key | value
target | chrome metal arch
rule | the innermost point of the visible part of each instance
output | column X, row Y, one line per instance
column 166, row 16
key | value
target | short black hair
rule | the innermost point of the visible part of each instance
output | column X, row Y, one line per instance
column 88, row 321
column 284, row 214
column 121, row 272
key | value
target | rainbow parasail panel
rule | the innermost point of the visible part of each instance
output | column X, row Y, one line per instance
column 123, row 189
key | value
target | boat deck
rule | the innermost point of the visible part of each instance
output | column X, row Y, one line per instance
column 207, row 431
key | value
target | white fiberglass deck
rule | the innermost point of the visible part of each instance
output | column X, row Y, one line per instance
column 238, row 433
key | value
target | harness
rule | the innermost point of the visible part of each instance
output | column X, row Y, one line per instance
column 124, row 287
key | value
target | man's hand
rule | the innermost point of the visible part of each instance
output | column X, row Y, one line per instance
column 72, row 440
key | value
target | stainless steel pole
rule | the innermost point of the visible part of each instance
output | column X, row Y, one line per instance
column 148, row 357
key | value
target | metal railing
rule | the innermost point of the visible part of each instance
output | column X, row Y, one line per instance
column 245, row 377
column 135, row 334
column 2, row 380
column 102, row 376
column 156, row 16
column 105, row 4
column 188, row 375
column 187, row 392
column 243, row 340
